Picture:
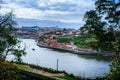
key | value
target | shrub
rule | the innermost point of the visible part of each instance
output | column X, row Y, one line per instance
column 8, row 71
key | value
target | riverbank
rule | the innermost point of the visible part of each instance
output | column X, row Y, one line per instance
column 79, row 52
column 50, row 73
column 69, row 62
column 47, row 72
column 62, row 49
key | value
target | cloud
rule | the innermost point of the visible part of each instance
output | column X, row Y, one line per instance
column 69, row 11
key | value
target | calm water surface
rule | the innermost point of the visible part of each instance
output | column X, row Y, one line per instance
column 71, row 63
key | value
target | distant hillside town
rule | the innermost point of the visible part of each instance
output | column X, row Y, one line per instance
column 35, row 32
column 58, row 38
column 54, row 37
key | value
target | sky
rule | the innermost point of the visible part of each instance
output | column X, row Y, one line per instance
column 67, row 11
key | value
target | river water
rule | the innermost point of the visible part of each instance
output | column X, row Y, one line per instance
column 72, row 63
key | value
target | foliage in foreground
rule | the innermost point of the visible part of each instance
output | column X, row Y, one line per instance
column 9, row 44
column 8, row 71
column 66, row 77
column 114, row 73
column 104, row 23
column 25, row 75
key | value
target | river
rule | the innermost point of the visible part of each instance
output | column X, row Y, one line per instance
column 72, row 63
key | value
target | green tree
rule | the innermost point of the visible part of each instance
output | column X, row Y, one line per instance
column 114, row 73
column 104, row 23
column 96, row 27
column 93, row 43
column 9, row 44
column 104, row 27
column 108, row 9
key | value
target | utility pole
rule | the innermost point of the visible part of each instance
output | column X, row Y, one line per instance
column 57, row 64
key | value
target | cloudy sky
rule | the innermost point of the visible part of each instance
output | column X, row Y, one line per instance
column 68, row 11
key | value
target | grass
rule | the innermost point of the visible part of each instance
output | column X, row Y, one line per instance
column 21, row 66
column 29, row 75
column 25, row 75
column 24, row 66
column 66, row 77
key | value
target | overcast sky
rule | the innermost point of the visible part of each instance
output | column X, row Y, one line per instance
column 69, row 11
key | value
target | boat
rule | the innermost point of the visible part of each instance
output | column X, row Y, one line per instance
column 33, row 49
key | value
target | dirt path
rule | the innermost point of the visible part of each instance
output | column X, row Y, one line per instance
column 41, row 72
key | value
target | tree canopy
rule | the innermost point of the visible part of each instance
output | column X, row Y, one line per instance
column 104, row 23
column 9, row 44
column 108, row 10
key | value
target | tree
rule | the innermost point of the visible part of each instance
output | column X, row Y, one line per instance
column 105, row 27
column 93, row 43
column 114, row 73
column 9, row 45
column 112, row 16
column 104, row 22
column 108, row 8
column 96, row 27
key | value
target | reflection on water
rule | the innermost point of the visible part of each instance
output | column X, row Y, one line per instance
column 98, row 58
column 71, row 63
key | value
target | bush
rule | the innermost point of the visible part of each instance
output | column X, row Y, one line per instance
column 25, row 75
column 114, row 73
column 8, row 71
